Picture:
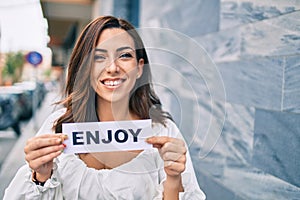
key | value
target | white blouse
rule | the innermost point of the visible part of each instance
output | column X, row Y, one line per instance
column 141, row 178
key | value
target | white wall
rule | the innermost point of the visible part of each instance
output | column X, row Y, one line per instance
column 23, row 26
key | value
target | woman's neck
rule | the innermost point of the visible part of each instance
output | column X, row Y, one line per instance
column 113, row 111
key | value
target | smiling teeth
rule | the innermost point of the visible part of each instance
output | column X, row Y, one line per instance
column 112, row 83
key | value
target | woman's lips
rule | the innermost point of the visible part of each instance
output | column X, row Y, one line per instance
column 112, row 83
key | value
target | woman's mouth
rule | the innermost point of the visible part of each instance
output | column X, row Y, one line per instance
column 112, row 83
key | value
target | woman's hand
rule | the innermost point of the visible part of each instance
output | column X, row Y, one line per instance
column 40, row 152
column 173, row 152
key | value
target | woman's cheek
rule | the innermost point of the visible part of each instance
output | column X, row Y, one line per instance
column 95, row 78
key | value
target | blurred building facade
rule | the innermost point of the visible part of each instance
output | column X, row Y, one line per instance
column 23, row 28
column 65, row 18
column 254, row 46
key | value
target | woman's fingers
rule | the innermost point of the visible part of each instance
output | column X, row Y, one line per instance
column 174, row 166
column 43, row 141
column 172, row 151
column 161, row 140
column 171, row 147
column 171, row 156
column 37, row 163
column 167, row 144
column 43, row 151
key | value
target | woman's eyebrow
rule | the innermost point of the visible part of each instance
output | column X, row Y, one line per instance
column 101, row 50
column 124, row 48
column 118, row 49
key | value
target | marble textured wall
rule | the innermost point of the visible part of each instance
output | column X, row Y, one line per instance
column 254, row 153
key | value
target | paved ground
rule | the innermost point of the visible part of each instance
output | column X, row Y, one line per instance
column 11, row 147
column 7, row 142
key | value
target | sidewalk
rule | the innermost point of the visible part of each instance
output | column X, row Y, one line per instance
column 16, row 157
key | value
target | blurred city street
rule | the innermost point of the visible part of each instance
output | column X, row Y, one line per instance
column 11, row 146
column 228, row 71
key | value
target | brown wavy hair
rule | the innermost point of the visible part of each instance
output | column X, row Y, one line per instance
column 80, row 97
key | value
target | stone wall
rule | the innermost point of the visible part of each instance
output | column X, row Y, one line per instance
column 244, row 142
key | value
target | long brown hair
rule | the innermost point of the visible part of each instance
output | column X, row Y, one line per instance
column 80, row 100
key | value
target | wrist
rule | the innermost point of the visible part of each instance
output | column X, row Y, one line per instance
column 172, row 187
column 173, row 183
column 40, row 179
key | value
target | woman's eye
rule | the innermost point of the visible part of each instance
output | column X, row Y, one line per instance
column 125, row 55
column 99, row 57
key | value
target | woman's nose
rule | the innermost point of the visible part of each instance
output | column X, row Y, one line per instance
column 113, row 67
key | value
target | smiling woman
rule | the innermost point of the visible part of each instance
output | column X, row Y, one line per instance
column 109, row 79
column 116, row 67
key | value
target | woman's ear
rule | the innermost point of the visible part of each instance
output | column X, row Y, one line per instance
column 140, row 68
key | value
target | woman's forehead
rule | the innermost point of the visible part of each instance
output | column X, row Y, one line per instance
column 114, row 38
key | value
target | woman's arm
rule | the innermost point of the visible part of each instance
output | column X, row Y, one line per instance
column 39, row 154
column 22, row 187
column 172, row 151
column 177, row 176
column 172, row 187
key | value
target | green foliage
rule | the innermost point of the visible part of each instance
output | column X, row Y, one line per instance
column 47, row 73
column 13, row 64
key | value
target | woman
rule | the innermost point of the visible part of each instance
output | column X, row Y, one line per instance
column 108, row 79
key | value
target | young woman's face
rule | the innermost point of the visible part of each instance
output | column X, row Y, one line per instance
column 115, row 66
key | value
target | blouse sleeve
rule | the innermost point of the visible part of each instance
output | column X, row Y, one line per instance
column 190, row 184
column 22, row 186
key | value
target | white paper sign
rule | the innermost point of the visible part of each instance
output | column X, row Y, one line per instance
column 107, row 136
